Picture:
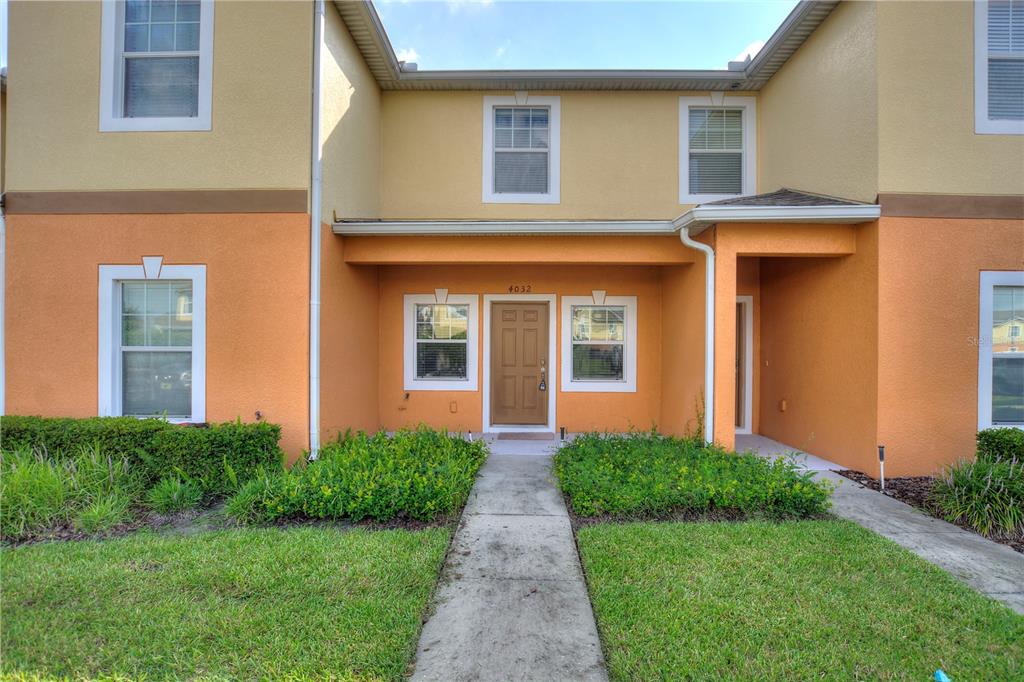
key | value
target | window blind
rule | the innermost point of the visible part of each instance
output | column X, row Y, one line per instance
column 161, row 58
column 716, row 151
column 1006, row 59
column 521, row 150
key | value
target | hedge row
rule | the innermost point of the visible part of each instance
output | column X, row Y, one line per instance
column 212, row 455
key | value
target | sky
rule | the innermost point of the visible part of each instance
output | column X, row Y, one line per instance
column 579, row 34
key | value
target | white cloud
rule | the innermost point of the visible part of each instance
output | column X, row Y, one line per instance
column 454, row 6
column 407, row 54
column 502, row 49
column 752, row 49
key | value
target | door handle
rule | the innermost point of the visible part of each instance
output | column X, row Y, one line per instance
column 543, row 378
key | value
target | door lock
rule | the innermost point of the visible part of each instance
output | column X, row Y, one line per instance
column 543, row 377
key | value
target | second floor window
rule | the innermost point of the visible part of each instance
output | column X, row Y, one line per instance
column 157, row 65
column 521, row 150
column 716, row 148
column 999, row 66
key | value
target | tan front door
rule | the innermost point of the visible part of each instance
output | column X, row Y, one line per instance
column 519, row 361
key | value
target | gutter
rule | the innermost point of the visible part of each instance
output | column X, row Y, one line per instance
column 392, row 228
column 698, row 219
column 316, row 190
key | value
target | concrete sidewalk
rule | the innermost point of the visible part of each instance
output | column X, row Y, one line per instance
column 512, row 603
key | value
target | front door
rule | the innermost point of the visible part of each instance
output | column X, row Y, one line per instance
column 519, row 363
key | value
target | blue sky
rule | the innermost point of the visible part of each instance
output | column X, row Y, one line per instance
column 551, row 34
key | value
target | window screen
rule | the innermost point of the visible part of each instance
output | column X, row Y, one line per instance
column 156, row 348
column 716, row 151
column 522, row 137
column 441, row 344
column 598, row 343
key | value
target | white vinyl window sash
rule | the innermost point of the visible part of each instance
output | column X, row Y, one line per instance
column 717, row 148
column 521, row 150
column 599, row 344
column 156, row 65
column 440, row 343
column 999, row 67
column 152, row 342
column 1000, row 357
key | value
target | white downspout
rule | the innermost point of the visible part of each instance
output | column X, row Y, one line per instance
column 314, row 239
column 709, row 331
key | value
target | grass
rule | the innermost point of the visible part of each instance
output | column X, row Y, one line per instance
column 646, row 475
column 791, row 600
column 299, row 603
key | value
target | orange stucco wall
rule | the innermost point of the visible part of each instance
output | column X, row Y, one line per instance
column 928, row 298
column 682, row 357
column 349, row 338
column 575, row 411
column 257, row 325
column 819, row 352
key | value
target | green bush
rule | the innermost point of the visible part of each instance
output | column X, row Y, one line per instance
column 173, row 494
column 986, row 495
column 103, row 513
column 1001, row 445
column 420, row 475
column 650, row 475
column 38, row 492
column 211, row 454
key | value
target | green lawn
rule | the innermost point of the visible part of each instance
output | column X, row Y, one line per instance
column 793, row 600
column 298, row 603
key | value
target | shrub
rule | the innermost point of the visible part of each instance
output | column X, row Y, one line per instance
column 1001, row 444
column 649, row 475
column 420, row 475
column 103, row 513
column 986, row 495
column 205, row 454
column 38, row 492
column 173, row 494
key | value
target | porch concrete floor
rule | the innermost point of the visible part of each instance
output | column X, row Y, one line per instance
column 991, row 568
column 512, row 603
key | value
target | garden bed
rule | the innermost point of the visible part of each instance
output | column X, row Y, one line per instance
column 916, row 491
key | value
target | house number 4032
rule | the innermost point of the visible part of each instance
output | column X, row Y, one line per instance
column 520, row 288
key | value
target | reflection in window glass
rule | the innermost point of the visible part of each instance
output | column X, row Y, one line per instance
column 441, row 341
column 1007, row 355
column 598, row 343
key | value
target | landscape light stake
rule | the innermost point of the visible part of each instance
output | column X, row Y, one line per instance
column 881, row 466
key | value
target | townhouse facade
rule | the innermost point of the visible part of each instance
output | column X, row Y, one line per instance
column 254, row 210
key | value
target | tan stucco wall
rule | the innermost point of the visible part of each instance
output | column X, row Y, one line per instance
column 928, row 332
column 817, row 117
column 256, row 326
column 261, row 115
column 619, row 157
column 350, row 126
column 927, row 141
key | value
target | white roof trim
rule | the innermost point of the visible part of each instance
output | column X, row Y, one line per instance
column 380, row 228
column 698, row 219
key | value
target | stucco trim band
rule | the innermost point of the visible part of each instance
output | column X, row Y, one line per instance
column 158, row 201
column 1006, row 207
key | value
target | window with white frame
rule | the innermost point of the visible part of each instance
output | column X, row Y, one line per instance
column 599, row 344
column 152, row 342
column 1001, row 358
column 717, row 143
column 440, row 343
column 521, row 150
column 999, row 67
column 156, row 65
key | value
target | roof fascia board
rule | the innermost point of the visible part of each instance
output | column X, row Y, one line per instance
column 700, row 218
column 502, row 227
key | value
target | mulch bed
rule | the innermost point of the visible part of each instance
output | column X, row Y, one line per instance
column 915, row 491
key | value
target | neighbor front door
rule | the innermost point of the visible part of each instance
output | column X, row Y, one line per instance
column 520, row 384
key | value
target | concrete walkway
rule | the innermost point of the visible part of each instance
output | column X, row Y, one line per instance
column 991, row 568
column 512, row 603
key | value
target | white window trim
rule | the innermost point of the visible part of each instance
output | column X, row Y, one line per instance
column 749, row 107
column 554, row 145
column 628, row 382
column 983, row 125
column 551, row 299
column 111, row 77
column 990, row 280
column 110, row 334
column 409, row 344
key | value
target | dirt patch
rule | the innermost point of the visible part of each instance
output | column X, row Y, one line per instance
column 916, row 491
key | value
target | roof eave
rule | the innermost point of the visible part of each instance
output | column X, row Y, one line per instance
column 698, row 219
column 427, row 228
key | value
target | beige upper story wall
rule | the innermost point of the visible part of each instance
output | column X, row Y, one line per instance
column 619, row 157
column 927, row 141
column 350, row 126
column 818, row 116
column 261, row 114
